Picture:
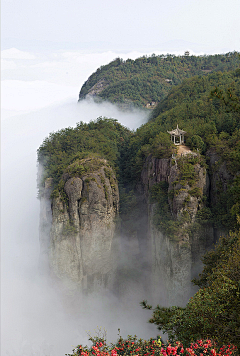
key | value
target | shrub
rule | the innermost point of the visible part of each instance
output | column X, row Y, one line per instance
column 154, row 347
column 196, row 142
column 214, row 310
column 195, row 192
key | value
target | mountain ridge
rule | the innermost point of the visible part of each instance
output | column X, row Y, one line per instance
column 186, row 202
column 147, row 80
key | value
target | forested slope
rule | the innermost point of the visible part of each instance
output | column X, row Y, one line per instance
column 211, row 124
column 147, row 80
column 207, row 107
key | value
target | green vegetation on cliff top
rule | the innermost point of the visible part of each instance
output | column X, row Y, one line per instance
column 210, row 117
column 147, row 80
column 212, row 125
column 103, row 138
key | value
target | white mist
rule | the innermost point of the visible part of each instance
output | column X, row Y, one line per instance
column 35, row 319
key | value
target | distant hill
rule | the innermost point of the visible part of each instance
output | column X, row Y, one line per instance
column 144, row 82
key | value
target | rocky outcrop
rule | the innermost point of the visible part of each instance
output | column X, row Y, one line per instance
column 154, row 171
column 82, row 224
column 45, row 221
column 154, row 252
column 95, row 90
column 178, row 245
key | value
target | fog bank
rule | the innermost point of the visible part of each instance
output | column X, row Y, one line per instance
column 35, row 317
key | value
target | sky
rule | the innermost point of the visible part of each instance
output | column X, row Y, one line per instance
column 48, row 50
column 120, row 25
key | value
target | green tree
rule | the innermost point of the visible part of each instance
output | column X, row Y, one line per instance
column 213, row 312
column 196, row 142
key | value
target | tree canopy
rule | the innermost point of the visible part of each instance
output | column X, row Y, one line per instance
column 205, row 106
column 147, row 80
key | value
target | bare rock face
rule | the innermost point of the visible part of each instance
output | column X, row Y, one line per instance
column 98, row 88
column 45, row 223
column 171, row 268
column 83, row 224
column 95, row 90
column 154, row 171
column 175, row 256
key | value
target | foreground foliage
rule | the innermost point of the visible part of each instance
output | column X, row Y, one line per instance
column 153, row 347
column 214, row 310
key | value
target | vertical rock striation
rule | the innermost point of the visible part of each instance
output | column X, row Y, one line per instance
column 177, row 244
column 82, row 225
column 162, row 237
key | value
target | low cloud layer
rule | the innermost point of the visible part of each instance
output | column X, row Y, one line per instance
column 35, row 317
column 34, row 80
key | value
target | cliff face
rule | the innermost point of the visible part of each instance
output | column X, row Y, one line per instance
column 163, row 236
column 177, row 246
column 83, row 224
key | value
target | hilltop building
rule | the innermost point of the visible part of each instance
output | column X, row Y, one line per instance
column 177, row 136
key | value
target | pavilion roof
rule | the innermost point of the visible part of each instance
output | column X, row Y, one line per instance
column 177, row 132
